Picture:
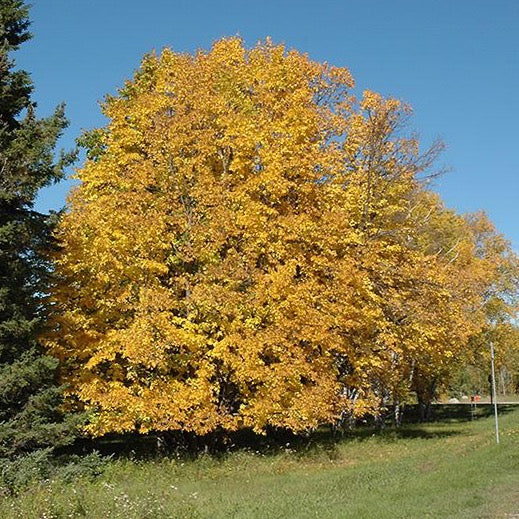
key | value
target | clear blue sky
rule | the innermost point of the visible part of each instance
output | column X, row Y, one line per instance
column 456, row 62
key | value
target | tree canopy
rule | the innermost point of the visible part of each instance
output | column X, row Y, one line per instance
column 251, row 245
column 29, row 394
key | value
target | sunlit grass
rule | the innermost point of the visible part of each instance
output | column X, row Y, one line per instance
column 447, row 469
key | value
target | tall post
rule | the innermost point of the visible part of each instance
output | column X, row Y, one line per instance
column 494, row 396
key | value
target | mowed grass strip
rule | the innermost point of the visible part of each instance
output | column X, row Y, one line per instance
column 448, row 469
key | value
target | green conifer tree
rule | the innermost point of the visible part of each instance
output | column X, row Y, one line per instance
column 30, row 417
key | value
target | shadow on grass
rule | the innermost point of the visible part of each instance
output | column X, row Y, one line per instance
column 183, row 445
column 455, row 413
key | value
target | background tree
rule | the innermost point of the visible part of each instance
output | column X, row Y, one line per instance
column 499, row 305
column 29, row 395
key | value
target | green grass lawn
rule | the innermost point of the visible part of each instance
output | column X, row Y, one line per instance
column 449, row 469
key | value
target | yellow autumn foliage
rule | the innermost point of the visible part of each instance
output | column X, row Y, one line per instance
column 252, row 246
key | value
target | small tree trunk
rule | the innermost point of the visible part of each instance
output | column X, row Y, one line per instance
column 397, row 413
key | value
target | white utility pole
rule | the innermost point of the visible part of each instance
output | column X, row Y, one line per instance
column 494, row 396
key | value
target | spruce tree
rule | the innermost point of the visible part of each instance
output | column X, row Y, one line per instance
column 30, row 398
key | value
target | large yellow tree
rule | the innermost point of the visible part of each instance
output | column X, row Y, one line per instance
column 252, row 246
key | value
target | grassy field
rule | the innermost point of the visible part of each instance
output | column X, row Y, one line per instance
column 449, row 469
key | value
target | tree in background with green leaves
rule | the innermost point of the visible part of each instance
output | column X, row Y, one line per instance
column 30, row 398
